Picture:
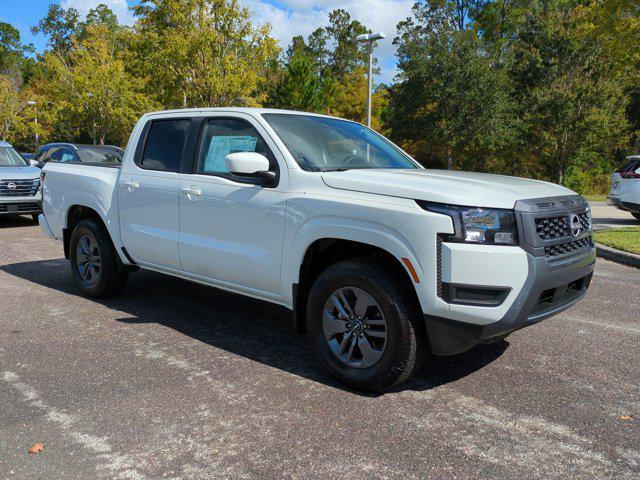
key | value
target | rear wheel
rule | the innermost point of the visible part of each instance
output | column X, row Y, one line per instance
column 364, row 326
column 93, row 261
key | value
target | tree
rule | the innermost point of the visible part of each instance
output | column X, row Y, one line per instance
column 90, row 90
column 450, row 106
column 60, row 26
column 301, row 87
column 571, row 105
column 332, row 65
column 202, row 52
column 10, row 105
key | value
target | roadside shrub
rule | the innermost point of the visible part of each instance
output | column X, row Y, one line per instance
column 587, row 182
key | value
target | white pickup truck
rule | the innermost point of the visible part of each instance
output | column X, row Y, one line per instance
column 380, row 259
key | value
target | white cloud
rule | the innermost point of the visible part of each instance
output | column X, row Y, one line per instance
column 301, row 17
column 119, row 7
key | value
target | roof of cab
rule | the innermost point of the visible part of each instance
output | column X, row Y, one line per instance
column 248, row 110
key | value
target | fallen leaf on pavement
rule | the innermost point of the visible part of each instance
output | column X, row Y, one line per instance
column 626, row 417
column 36, row 448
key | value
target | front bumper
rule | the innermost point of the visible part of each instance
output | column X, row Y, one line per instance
column 549, row 289
column 503, row 289
column 20, row 205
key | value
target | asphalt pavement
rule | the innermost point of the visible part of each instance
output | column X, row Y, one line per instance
column 604, row 216
column 176, row 380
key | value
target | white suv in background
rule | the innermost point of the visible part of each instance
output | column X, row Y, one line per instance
column 625, row 187
column 19, row 184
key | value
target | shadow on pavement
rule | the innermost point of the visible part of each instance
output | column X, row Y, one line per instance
column 8, row 221
column 257, row 330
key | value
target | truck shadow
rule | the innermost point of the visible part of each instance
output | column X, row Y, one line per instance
column 16, row 221
column 243, row 326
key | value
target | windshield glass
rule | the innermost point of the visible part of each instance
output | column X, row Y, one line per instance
column 10, row 158
column 322, row 144
column 100, row 154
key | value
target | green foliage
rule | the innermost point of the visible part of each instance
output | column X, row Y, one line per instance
column 204, row 53
column 91, row 92
column 519, row 88
column 301, row 88
column 60, row 26
column 541, row 88
column 330, row 67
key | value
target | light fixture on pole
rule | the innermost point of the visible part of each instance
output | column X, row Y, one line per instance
column 370, row 39
column 35, row 118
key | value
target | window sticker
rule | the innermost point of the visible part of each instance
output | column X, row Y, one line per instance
column 220, row 147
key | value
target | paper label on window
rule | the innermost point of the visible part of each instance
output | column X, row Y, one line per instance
column 220, row 147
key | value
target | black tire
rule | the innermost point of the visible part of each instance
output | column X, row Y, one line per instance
column 406, row 340
column 636, row 214
column 109, row 280
column 34, row 216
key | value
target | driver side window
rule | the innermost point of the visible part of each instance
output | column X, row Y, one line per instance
column 223, row 136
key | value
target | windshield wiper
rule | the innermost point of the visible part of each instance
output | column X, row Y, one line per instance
column 337, row 169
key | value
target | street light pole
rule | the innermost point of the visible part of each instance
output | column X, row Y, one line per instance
column 370, row 39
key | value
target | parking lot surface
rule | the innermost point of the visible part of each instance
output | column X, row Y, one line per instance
column 604, row 216
column 176, row 380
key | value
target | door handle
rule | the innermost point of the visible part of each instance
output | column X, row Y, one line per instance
column 131, row 184
column 191, row 191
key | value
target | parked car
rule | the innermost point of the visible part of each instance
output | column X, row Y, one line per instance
column 625, row 187
column 77, row 153
column 19, row 184
column 379, row 259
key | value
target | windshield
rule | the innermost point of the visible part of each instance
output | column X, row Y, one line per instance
column 100, row 154
column 323, row 144
column 10, row 158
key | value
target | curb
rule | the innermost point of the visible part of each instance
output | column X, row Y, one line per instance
column 625, row 258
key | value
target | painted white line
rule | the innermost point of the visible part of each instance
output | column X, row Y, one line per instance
column 118, row 464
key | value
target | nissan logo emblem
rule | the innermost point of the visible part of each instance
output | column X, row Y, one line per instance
column 12, row 186
column 575, row 225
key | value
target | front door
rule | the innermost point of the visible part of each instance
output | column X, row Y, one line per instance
column 232, row 228
column 149, row 189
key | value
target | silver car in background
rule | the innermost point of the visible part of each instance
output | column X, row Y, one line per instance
column 19, row 184
column 625, row 187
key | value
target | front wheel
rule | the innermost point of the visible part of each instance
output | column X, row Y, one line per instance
column 636, row 214
column 364, row 325
column 93, row 260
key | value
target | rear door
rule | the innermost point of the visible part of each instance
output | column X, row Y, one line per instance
column 231, row 227
column 148, row 193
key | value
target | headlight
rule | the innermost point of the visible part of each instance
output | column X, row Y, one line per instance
column 478, row 225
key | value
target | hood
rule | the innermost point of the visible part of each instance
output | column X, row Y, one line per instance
column 19, row 173
column 445, row 186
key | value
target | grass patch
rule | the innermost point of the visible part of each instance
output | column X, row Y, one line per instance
column 596, row 198
column 627, row 238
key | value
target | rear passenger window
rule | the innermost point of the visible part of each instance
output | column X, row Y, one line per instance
column 164, row 145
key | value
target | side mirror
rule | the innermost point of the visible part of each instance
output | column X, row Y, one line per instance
column 35, row 163
column 251, row 164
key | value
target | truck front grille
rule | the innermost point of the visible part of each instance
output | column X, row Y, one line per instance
column 19, row 188
column 556, row 252
column 550, row 228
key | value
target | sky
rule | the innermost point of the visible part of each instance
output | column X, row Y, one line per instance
column 287, row 18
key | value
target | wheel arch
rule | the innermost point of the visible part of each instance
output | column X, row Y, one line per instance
column 78, row 212
column 325, row 251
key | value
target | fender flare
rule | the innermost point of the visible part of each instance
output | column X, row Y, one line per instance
column 338, row 228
